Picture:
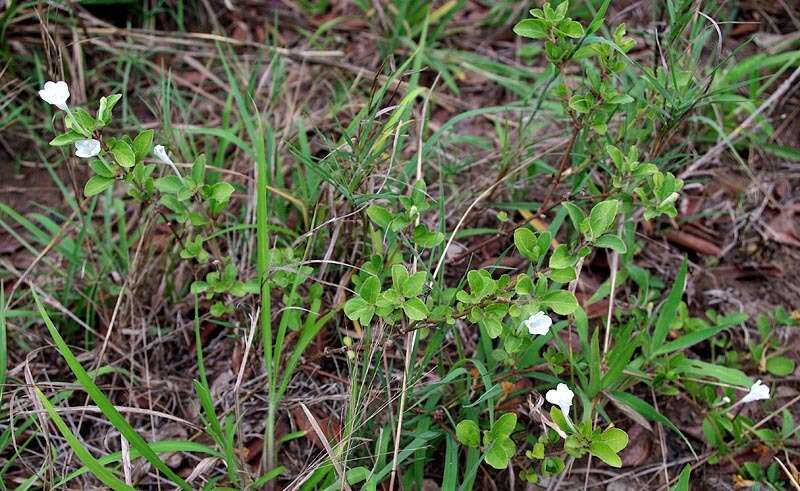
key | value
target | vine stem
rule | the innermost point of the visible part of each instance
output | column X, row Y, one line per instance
column 562, row 165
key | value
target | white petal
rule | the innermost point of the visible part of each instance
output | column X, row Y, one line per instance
column 161, row 153
column 758, row 391
column 55, row 93
column 87, row 148
column 562, row 397
column 538, row 323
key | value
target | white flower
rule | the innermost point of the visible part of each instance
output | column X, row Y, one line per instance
column 86, row 149
column 55, row 93
column 758, row 391
column 538, row 323
column 561, row 397
column 161, row 153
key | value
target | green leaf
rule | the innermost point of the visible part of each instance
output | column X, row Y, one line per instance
column 85, row 120
column 571, row 28
column 161, row 447
column 537, row 451
column 169, row 184
column 413, row 286
column 618, row 358
column 615, row 438
column 689, row 340
column 524, row 285
column 504, row 425
column 668, row 310
column 602, row 216
column 399, row 276
column 143, row 144
column 370, row 289
column 726, row 375
column 606, row 454
column 648, row 412
column 426, row 238
column 67, row 138
column 579, row 104
column 99, row 470
column 780, row 366
column 468, row 433
column 123, row 154
column 106, row 107
column 561, row 302
column 358, row 309
column 415, row 309
column 221, row 192
column 198, row 220
column 559, row 419
column 683, row 479
column 379, row 215
column 610, row 241
column 620, row 99
column 561, row 258
column 493, row 326
column 96, row 185
column 576, row 215
column 106, row 407
column 564, row 275
column 101, row 168
column 531, row 28
column 561, row 10
column 616, row 156
column 526, row 243
column 199, row 169
column 475, row 281
column 784, row 152
column 390, row 298
column 500, row 452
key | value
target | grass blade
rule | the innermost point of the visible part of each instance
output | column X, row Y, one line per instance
column 667, row 312
column 105, row 405
column 3, row 343
column 92, row 464
column 163, row 446
column 648, row 412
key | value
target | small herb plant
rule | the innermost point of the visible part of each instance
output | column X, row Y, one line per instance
column 518, row 330
column 524, row 315
column 194, row 201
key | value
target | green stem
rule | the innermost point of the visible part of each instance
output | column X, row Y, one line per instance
column 83, row 131
column 262, row 243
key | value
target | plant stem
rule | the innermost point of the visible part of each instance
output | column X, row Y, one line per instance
column 262, row 266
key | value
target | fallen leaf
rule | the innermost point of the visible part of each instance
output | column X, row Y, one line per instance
column 9, row 244
column 784, row 227
column 694, row 243
column 638, row 450
column 330, row 427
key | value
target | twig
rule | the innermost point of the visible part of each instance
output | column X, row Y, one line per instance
column 562, row 165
